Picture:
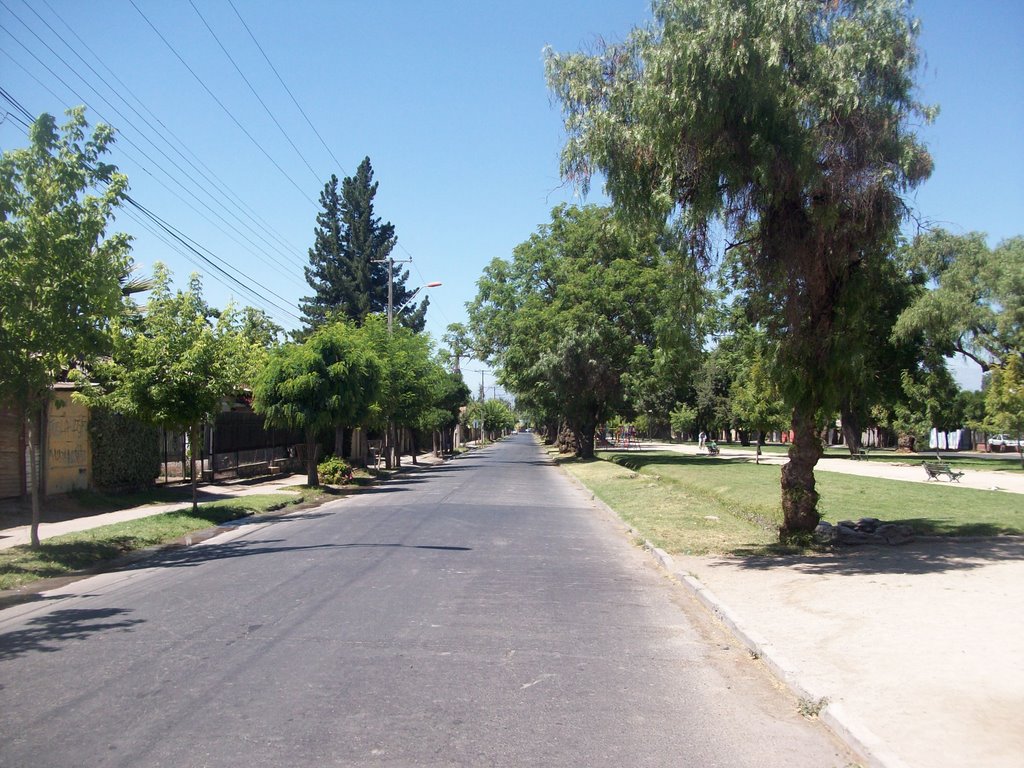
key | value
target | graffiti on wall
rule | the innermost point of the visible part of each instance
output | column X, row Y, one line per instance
column 67, row 447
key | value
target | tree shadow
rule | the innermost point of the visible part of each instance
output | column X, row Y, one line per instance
column 190, row 557
column 637, row 461
column 932, row 555
column 47, row 633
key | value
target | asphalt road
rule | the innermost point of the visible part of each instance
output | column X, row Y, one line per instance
column 481, row 613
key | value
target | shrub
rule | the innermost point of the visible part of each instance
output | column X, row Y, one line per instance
column 334, row 471
column 125, row 452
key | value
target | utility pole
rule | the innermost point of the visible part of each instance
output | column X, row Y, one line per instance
column 391, row 261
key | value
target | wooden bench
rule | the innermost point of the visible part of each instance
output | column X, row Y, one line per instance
column 936, row 469
column 861, row 454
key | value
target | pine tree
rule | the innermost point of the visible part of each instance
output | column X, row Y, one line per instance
column 348, row 263
column 327, row 273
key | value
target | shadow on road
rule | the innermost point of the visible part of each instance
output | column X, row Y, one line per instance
column 190, row 557
column 47, row 633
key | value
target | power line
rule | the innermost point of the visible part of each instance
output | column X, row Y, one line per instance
column 287, row 89
column 129, row 140
column 164, row 131
column 192, row 248
column 269, row 258
column 254, row 93
column 227, row 111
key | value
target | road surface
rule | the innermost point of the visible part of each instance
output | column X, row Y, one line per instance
column 481, row 613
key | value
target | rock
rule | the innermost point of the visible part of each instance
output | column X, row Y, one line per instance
column 825, row 533
column 868, row 530
column 895, row 534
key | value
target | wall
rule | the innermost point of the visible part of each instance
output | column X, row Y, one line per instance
column 12, row 453
column 67, row 460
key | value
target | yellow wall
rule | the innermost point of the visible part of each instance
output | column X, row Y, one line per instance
column 68, row 464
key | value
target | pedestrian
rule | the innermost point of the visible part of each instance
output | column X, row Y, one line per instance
column 701, row 439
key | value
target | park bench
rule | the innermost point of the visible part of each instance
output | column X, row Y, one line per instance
column 712, row 449
column 936, row 469
column 861, row 454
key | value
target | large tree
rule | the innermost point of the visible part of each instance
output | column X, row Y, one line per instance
column 349, row 263
column 787, row 124
column 174, row 364
column 564, row 318
column 60, row 272
column 974, row 304
column 411, row 381
column 331, row 379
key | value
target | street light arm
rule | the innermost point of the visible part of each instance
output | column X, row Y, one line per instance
column 413, row 296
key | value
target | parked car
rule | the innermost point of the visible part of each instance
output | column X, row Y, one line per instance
column 1003, row 443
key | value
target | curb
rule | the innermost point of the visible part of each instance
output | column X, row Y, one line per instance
column 832, row 714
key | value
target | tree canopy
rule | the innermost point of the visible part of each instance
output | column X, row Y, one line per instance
column 565, row 317
column 331, row 379
column 789, row 124
column 60, row 271
column 173, row 364
column 348, row 263
column 975, row 305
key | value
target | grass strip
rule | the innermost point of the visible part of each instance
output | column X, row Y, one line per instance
column 699, row 505
column 64, row 555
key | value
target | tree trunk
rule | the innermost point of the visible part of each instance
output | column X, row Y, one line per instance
column 312, row 448
column 32, row 458
column 851, row 429
column 584, row 434
column 799, row 499
column 339, row 442
column 194, row 440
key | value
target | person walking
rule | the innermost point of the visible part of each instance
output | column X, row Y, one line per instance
column 701, row 439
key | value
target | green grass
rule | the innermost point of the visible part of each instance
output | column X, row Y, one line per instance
column 1001, row 462
column 697, row 505
column 64, row 555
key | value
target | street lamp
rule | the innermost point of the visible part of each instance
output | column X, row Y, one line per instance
column 397, row 312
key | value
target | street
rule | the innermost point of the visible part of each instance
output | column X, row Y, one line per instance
column 480, row 613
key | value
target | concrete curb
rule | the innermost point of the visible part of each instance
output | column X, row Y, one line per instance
column 832, row 714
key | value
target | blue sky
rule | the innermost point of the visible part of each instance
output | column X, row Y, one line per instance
column 447, row 99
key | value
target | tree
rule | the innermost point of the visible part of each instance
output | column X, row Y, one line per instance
column 447, row 400
column 494, row 416
column 410, row 381
column 349, row 260
column 756, row 402
column 976, row 307
column 1004, row 400
column 459, row 344
column 258, row 328
column 173, row 366
column 331, row 379
column 60, row 273
column 790, row 122
column 564, row 318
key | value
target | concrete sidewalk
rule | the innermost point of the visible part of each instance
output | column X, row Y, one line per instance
column 13, row 537
column 891, row 467
column 913, row 652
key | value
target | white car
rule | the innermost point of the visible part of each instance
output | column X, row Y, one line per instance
column 1003, row 443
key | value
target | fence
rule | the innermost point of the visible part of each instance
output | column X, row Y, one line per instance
column 236, row 445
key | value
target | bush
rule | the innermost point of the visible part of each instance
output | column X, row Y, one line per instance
column 125, row 452
column 334, row 471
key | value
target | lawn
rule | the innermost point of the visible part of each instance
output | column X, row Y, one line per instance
column 64, row 555
column 698, row 505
